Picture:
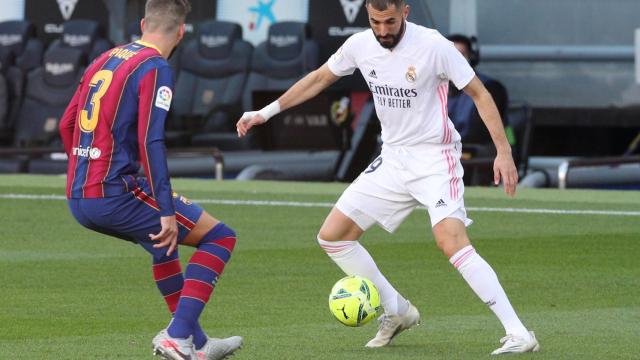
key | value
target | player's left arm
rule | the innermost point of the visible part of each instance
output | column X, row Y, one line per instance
column 503, row 167
column 155, row 94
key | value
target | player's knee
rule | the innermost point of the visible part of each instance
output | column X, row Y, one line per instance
column 221, row 233
column 333, row 230
column 324, row 235
column 450, row 236
column 446, row 245
column 321, row 240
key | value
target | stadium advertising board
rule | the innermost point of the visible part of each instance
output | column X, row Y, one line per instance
column 49, row 15
column 333, row 21
column 12, row 10
column 255, row 16
column 321, row 123
column 201, row 10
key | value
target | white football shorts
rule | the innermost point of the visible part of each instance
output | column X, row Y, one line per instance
column 401, row 179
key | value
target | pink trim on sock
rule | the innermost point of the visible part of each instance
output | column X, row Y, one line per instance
column 463, row 257
column 331, row 249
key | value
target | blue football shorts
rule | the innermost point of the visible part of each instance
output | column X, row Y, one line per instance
column 133, row 215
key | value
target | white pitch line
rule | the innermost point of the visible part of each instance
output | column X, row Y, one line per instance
column 328, row 205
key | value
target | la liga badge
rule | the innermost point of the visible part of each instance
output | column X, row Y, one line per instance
column 163, row 98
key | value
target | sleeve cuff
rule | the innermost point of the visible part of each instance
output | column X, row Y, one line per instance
column 335, row 72
column 167, row 212
column 466, row 80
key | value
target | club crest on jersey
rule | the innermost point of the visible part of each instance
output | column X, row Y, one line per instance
column 411, row 74
column 163, row 98
column 181, row 198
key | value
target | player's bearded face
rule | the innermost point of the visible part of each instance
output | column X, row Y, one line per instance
column 388, row 25
column 389, row 41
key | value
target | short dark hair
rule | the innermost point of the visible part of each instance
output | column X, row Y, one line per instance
column 165, row 15
column 471, row 43
column 384, row 4
column 459, row 38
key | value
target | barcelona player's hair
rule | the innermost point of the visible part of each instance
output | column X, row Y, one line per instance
column 165, row 16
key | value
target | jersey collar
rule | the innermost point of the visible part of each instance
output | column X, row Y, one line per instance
column 405, row 37
column 147, row 44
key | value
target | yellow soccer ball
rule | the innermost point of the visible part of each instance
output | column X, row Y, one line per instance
column 354, row 301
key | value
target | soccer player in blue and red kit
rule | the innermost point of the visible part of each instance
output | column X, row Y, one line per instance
column 114, row 123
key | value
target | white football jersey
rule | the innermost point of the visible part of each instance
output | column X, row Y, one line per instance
column 409, row 83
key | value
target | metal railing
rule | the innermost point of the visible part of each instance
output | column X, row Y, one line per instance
column 556, row 53
column 566, row 166
column 37, row 152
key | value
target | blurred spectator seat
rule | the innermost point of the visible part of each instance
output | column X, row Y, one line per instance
column 47, row 94
column 5, row 123
column 85, row 35
column 286, row 56
column 478, row 159
column 19, row 38
column 208, row 90
column 20, row 52
column 134, row 33
column 519, row 116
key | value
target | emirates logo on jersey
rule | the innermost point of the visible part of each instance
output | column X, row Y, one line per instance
column 392, row 97
column 411, row 74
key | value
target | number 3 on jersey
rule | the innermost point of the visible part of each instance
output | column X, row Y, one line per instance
column 97, row 88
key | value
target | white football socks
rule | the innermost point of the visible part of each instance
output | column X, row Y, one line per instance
column 354, row 259
column 484, row 282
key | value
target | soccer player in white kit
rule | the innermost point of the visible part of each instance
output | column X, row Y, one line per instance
column 408, row 68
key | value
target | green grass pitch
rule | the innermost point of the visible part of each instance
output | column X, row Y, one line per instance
column 68, row 293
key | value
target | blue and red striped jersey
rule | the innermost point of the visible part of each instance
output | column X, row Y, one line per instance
column 115, row 123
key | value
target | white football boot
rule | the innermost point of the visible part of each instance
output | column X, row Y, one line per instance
column 217, row 349
column 392, row 325
column 517, row 344
column 170, row 348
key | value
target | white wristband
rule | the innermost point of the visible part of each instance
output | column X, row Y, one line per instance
column 270, row 110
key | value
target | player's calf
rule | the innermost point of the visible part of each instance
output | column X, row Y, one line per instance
column 201, row 276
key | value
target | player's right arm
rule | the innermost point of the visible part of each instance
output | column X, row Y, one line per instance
column 68, row 122
column 306, row 88
column 340, row 64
